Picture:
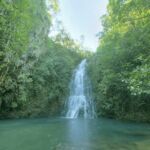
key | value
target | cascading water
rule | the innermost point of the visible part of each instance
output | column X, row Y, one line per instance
column 80, row 100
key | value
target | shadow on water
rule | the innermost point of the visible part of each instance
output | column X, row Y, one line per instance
column 73, row 134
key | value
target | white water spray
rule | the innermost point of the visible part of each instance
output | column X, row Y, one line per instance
column 80, row 99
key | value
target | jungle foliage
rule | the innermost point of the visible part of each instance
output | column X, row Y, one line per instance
column 120, row 69
column 34, row 69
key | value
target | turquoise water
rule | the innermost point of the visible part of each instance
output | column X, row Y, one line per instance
column 73, row 134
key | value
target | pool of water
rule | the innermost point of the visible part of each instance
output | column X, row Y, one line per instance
column 73, row 134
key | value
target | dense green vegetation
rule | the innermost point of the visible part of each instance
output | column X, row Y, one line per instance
column 120, row 69
column 34, row 69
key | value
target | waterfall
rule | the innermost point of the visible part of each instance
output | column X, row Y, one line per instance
column 80, row 101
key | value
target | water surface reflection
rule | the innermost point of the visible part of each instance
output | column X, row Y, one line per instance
column 73, row 134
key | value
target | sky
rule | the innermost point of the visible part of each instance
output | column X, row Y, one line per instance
column 82, row 17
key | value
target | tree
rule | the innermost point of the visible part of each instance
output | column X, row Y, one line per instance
column 120, row 67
